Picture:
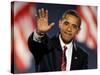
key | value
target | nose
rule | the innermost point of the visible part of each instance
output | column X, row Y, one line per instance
column 69, row 28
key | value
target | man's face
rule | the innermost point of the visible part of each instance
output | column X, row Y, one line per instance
column 69, row 27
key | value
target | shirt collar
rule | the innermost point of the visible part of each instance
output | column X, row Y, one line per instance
column 63, row 44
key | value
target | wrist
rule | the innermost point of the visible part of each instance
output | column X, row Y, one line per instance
column 39, row 32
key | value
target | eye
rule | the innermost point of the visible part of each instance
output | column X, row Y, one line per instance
column 75, row 26
column 66, row 23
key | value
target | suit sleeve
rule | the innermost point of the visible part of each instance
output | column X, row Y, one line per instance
column 38, row 49
column 83, row 58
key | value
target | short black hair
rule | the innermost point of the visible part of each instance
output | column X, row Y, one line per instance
column 74, row 13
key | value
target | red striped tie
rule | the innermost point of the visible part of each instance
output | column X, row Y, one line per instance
column 64, row 60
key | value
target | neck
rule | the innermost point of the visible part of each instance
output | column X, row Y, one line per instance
column 66, row 42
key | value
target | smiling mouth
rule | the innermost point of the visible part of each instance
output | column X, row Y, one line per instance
column 66, row 33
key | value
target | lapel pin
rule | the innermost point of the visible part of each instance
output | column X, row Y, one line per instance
column 75, row 57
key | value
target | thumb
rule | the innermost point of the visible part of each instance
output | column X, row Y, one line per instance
column 51, row 25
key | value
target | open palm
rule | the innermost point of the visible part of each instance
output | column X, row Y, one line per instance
column 42, row 21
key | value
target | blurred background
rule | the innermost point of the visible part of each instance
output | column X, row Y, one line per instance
column 23, row 23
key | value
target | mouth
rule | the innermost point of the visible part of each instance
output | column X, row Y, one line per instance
column 68, row 34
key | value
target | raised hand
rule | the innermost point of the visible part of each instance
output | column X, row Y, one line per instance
column 42, row 21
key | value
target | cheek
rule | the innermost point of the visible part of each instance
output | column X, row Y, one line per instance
column 63, row 27
column 74, row 33
column 62, row 30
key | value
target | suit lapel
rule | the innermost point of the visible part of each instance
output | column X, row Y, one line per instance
column 75, row 61
column 75, row 58
column 57, row 54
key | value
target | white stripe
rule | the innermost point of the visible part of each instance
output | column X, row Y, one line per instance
column 25, row 23
column 94, row 10
column 92, row 26
column 21, row 50
column 81, row 37
column 18, row 6
column 90, row 43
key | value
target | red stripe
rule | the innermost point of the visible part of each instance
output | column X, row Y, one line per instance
column 22, row 36
column 88, row 28
column 19, row 63
column 20, row 28
column 26, row 12
column 82, row 16
column 34, row 21
column 93, row 16
column 23, row 12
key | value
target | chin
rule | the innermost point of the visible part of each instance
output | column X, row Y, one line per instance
column 67, row 40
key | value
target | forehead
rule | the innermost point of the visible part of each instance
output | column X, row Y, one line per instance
column 71, row 18
column 67, row 16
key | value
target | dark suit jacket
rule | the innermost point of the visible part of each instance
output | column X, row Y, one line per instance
column 47, row 55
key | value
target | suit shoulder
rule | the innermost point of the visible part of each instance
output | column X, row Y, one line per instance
column 81, row 50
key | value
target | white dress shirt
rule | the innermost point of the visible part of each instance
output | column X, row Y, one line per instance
column 68, row 52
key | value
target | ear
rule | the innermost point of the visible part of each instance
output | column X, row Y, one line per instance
column 78, row 30
column 59, row 23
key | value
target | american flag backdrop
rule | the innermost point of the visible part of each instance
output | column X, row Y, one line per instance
column 23, row 23
column 88, row 33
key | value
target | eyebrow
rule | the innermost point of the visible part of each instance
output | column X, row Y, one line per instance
column 72, row 24
column 66, row 21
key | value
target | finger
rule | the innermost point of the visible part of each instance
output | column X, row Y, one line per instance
column 46, row 15
column 51, row 25
column 39, row 11
column 37, row 17
column 42, row 12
